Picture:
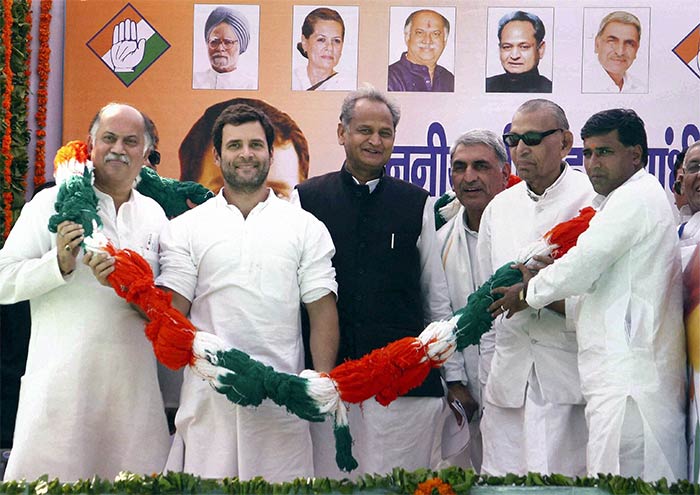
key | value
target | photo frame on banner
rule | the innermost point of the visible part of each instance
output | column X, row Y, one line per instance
column 409, row 49
column 225, row 46
column 617, row 52
column 518, row 62
column 290, row 158
column 326, row 60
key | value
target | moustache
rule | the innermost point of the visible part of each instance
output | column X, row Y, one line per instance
column 114, row 156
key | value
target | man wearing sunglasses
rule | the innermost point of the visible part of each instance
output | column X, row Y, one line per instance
column 624, row 280
column 533, row 417
column 227, row 34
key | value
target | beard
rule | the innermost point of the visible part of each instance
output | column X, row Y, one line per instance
column 236, row 181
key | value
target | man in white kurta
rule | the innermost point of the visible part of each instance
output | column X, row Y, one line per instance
column 533, row 408
column 241, row 264
column 689, row 240
column 689, row 177
column 480, row 170
column 89, row 401
column 626, row 270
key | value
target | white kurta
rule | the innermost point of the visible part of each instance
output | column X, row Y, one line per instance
column 471, row 365
column 210, row 79
column 689, row 240
column 626, row 268
column 245, row 278
column 597, row 80
column 533, row 348
column 339, row 82
column 89, row 401
column 690, row 237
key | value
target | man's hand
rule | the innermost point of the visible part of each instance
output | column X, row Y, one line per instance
column 69, row 236
column 101, row 264
column 512, row 301
column 456, row 392
column 127, row 50
column 540, row 263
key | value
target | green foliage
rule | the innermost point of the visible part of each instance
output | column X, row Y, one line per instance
column 398, row 481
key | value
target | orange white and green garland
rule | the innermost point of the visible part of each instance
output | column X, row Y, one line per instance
column 384, row 374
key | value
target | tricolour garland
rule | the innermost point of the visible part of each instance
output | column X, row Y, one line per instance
column 384, row 374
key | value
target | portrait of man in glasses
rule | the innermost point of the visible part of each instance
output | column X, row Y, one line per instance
column 228, row 36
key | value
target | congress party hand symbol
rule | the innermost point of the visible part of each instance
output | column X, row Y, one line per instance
column 127, row 50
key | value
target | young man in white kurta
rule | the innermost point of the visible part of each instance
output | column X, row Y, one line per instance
column 244, row 269
column 89, row 402
column 626, row 270
column 533, row 408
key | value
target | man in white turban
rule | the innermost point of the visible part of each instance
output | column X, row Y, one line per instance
column 227, row 34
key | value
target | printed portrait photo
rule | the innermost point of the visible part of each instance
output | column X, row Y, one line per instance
column 324, row 48
column 520, row 45
column 615, row 50
column 422, row 49
column 225, row 46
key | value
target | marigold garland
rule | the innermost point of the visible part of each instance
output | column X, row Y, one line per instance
column 43, row 70
column 7, row 195
column 433, row 485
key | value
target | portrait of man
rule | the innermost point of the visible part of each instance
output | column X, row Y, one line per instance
column 290, row 160
column 615, row 60
column 425, row 37
column 225, row 47
column 521, row 43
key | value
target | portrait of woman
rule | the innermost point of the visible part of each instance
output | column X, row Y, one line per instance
column 321, row 44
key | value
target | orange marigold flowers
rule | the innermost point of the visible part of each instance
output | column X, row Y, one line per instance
column 434, row 486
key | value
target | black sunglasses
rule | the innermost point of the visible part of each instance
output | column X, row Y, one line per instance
column 530, row 138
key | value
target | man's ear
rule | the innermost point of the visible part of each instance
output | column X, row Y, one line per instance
column 567, row 142
column 678, row 184
column 506, row 172
column 541, row 49
column 341, row 134
column 637, row 155
column 217, row 158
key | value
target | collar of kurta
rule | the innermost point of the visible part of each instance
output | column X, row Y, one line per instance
column 537, row 197
column 350, row 179
column 600, row 201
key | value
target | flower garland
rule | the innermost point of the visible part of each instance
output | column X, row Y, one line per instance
column 43, row 70
column 384, row 374
column 433, row 485
column 7, row 117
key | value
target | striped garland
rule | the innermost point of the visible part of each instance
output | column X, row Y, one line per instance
column 384, row 374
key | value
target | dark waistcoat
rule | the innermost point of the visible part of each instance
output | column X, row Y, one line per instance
column 376, row 261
